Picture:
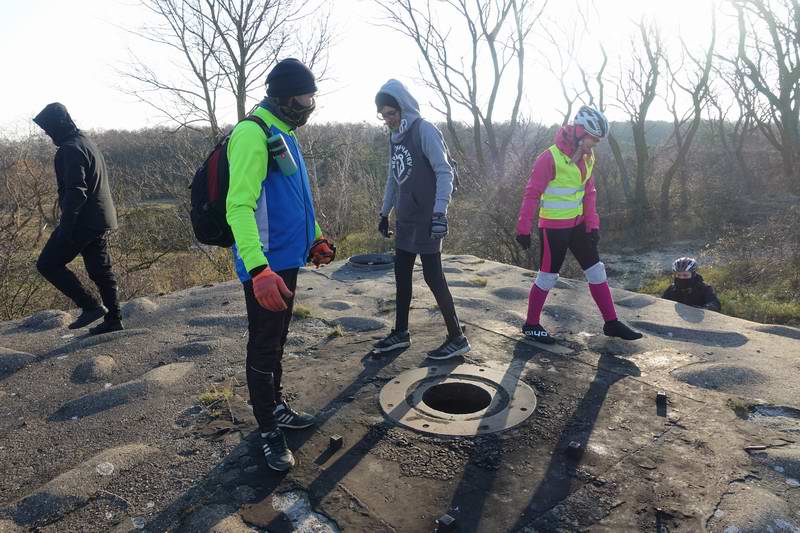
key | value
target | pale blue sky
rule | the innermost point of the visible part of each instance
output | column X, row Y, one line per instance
column 68, row 51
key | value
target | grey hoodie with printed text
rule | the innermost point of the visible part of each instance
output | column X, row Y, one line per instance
column 420, row 179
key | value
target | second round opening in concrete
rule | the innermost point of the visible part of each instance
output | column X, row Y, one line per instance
column 457, row 398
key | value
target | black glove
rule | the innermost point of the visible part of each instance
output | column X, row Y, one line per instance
column 438, row 226
column 524, row 241
column 383, row 227
column 594, row 236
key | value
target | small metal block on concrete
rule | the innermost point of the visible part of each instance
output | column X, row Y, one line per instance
column 661, row 399
column 335, row 443
column 446, row 524
column 574, row 450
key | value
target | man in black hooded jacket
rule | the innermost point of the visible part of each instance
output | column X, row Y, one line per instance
column 87, row 214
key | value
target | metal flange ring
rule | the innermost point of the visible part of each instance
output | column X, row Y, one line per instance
column 460, row 400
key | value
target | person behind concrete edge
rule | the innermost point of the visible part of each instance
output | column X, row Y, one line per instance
column 688, row 286
column 87, row 215
column 418, row 188
column 273, row 223
column 562, row 188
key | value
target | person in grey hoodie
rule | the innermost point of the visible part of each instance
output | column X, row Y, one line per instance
column 418, row 188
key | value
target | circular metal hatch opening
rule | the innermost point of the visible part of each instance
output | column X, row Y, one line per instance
column 461, row 400
column 457, row 398
column 372, row 261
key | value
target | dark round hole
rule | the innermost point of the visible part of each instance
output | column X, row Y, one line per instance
column 457, row 398
column 426, row 425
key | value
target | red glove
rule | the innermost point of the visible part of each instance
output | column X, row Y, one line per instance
column 271, row 291
column 322, row 252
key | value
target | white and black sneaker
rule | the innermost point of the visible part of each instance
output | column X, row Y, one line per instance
column 451, row 348
column 277, row 454
column 536, row 332
column 289, row 418
column 394, row 341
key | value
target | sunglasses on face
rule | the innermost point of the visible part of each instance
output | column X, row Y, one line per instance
column 388, row 114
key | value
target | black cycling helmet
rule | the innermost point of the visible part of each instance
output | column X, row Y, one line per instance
column 685, row 264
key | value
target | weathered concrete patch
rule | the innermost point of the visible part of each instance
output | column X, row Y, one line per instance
column 138, row 307
column 746, row 508
column 719, row 377
column 218, row 321
column 473, row 303
column 357, row 323
column 637, row 301
column 87, row 342
column 49, row 319
column 7, row 526
column 776, row 417
column 783, row 331
column 98, row 368
column 74, row 488
column 336, row 305
column 123, row 393
column 215, row 519
column 198, row 348
column 784, row 460
column 726, row 339
column 12, row 360
column 511, row 293
column 468, row 283
column 288, row 511
column 452, row 270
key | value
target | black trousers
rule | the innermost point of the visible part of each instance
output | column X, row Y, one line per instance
column 434, row 277
column 267, row 332
column 554, row 243
column 60, row 251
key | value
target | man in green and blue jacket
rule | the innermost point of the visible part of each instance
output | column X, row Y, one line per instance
column 271, row 214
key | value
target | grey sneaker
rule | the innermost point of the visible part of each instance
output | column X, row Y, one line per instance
column 276, row 452
column 451, row 348
column 395, row 340
column 289, row 418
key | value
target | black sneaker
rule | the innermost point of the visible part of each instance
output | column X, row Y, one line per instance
column 395, row 340
column 615, row 328
column 88, row 316
column 536, row 332
column 107, row 326
column 451, row 348
column 277, row 454
column 289, row 418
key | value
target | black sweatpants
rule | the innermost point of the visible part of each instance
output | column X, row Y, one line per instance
column 60, row 251
column 434, row 277
column 267, row 332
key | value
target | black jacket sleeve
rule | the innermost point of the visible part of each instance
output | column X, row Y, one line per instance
column 711, row 300
column 669, row 294
column 71, row 166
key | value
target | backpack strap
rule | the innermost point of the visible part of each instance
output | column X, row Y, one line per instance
column 260, row 121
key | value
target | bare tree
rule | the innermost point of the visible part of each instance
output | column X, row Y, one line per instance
column 769, row 60
column 636, row 92
column 496, row 32
column 685, row 124
column 223, row 45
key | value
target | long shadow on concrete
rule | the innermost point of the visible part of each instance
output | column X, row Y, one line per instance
column 559, row 479
column 725, row 339
column 329, row 478
column 264, row 481
column 469, row 498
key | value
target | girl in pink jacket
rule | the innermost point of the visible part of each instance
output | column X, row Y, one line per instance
column 561, row 188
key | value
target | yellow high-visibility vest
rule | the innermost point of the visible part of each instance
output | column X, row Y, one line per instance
column 563, row 198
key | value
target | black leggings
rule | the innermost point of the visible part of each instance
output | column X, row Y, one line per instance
column 434, row 277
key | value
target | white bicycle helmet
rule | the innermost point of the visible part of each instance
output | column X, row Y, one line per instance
column 684, row 264
column 592, row 121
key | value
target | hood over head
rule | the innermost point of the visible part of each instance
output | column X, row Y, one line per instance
column 409, row 108
column 566, row 139
column 54, row 119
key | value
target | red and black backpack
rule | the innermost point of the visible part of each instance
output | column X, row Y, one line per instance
column 210, row 191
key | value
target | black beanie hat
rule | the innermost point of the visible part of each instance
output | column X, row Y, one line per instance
column 383, row 99
column 290, row 77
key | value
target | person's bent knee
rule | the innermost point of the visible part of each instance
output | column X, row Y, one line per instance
column 546, row 280
column 596, row 273
column 44, row 267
